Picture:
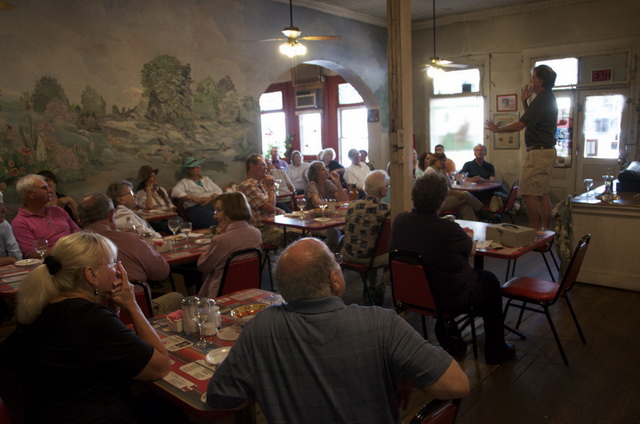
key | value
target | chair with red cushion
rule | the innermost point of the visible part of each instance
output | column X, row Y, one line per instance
column 268, row 248
column 411, row 291
column 545, row 293
column 242, row 270
column 381, row 247
column 438, row 412
column 506, row 209
column 5, row 416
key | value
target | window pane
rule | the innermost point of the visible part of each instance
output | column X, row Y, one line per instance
column 602, row 120
column 567, row 70
column 457, row 123
column 354, row 132
column 271, row 101
column 454, row 82
column 310, row 133
column 564, row 133
column 348, row 95
column 274, row 130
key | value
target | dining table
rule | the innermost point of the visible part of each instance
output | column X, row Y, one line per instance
column 11, row 276
column 541, row 240
column 186, row 384
column 176, row 250
column 306, row 221
column 157, row 214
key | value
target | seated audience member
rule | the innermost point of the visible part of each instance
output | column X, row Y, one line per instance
column 363, row 223
column 196, row 193
column 234, row 232
column 276, row 161
column 446, row 249
column 357, row 172
column 36, row 219
column 9, row 250
column 149, row 195
column 464, row 202
column 141, row 260
column 259, row 189
column 480, row 171
column 335, row 363
column 121, row 194
column 414, row 160
column 74, row 356
column 297, row 171
column 451, row 166
column 58, row 199
column 324, row 186
column 327, row 157
column 363, row 159
column 423, row 164
column 284, row 186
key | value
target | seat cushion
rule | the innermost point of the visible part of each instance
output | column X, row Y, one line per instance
column 532, row 289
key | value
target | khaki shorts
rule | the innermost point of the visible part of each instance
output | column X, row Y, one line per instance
column 535, row 179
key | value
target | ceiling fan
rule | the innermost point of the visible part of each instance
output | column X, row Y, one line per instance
column 436, row 64
column 292, row 46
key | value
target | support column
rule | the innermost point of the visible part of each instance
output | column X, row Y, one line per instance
column 400, row 104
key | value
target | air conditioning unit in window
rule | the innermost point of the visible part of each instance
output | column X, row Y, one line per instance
column 308, row 99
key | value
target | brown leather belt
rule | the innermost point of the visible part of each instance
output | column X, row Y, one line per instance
column 539, row 148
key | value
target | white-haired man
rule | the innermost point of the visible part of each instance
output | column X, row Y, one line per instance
column 316, row 360
column 36, row 219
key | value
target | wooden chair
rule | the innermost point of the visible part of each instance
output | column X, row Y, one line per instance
column 241, row 272
column 546, row 293
column 381, row 247
column 411, row 291
column 508, row 206
column 438, row 412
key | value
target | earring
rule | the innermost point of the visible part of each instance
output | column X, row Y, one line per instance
column 96, row 291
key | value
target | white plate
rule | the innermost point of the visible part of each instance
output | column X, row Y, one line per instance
column 322, row 219
column 27, row 262
column 203, row 241
column 216, row 356
column 229, row 333
column 176, row 237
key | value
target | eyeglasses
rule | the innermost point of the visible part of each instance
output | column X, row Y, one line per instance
column 338, row 258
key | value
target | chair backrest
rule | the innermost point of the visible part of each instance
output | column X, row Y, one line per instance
column 511, row 200
column 409, row 285
column 142, row 293
column 382, row 242
column 438, row 412
column 180, row 209
column 573, row 269
column 242, row 270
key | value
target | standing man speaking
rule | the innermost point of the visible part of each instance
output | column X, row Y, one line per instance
column 541, row 120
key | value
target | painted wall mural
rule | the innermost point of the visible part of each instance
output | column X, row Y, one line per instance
column 94, row 90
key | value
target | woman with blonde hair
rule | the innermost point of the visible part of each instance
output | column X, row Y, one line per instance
column 233, row 233
column 76, row 356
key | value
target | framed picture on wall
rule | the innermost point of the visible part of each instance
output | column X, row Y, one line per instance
column 507, row 103
column 509, row 140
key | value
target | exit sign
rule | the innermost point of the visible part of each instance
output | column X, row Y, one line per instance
column 600, row 75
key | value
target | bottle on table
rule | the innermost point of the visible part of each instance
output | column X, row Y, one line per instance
column 353, row 193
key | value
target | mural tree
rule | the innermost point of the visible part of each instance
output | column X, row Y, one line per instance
column 92, row 102
column 47, row 88
column 167, row 86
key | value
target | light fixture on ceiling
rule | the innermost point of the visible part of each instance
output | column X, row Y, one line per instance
column 292, row 47
column 436, row 65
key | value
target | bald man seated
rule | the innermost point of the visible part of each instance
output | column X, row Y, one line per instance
column 309, row 360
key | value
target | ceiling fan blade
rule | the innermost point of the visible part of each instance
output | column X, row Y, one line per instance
column 453, row 65
column 320, row 37
column 271, row 39
column 6, row 6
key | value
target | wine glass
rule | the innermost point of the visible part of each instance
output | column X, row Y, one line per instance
column 463, row 178
column 301, row 203
column 322, row 204
column 174, row 225
column 588, row 183
column 200, row 310
column 186, row 228
column 277, row 184
column 41, row 246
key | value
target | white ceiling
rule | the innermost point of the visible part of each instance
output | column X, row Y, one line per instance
column 447, row 11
